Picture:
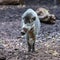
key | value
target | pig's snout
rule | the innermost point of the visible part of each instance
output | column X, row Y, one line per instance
column 23, row 31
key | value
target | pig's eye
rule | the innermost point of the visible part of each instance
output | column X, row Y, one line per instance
column 33, row 18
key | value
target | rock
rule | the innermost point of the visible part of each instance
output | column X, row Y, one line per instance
column 1, row 47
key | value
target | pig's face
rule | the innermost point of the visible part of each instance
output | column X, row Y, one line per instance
column 29, row 21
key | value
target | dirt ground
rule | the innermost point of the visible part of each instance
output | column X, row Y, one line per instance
column 47, row 44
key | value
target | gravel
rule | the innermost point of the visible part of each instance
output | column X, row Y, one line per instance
column 47, row 44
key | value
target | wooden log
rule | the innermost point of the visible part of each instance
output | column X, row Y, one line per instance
column 11, row 2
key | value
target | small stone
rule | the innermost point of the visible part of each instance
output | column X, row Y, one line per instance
column 1, row 47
